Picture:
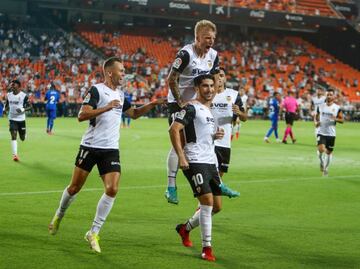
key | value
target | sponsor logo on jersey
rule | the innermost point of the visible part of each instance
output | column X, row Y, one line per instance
column 177, row 63
column 220, row 105
column 198, row 189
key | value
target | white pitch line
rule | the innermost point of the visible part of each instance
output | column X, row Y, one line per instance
column 183, row 185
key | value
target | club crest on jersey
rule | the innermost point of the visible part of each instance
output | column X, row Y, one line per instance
column 228, row 98
column 210, row 64
column 177, row 63
column 87, row 98
column 180, row 115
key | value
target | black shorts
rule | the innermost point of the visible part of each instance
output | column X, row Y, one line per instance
column 17, row 126
column 328, row 141
column 290, row 117
column 107, row 160
column 203, row 178
column 173, row 108
column 223, row 158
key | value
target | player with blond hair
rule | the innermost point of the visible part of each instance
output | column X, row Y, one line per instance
column 191, row 61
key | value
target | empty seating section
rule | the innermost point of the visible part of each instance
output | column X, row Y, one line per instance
column 129, row 44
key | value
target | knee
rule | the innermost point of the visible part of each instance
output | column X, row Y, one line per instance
column 111, row 191
column 216, row 209
column 73, row 189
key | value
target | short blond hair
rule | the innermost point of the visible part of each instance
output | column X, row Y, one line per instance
column 203, row 24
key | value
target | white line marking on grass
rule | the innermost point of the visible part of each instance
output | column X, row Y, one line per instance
column 282, row 180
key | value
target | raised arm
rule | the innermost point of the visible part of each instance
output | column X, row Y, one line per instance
column 180, row 63
column 87, row 112
column 89, row 108
column 135, row 113
column 173, row 81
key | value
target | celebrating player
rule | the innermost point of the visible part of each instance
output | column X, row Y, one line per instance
column 198, row 161
column 226, row 105
column 102, row 106
column 17, row 103
column 328, row 114
column 192, row 60
column 274, row 107
column 52, row 97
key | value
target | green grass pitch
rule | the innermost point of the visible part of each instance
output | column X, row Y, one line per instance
column 287, row 216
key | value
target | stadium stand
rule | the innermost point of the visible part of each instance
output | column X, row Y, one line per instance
column 258, row 62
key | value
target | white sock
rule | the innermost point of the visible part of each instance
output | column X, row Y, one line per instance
column 172, row 165
column 194, row 221
column 328, row 158
column 321, row 158
column 14, row 147
column 206, row 224
column 102, row 211
column 66, row 200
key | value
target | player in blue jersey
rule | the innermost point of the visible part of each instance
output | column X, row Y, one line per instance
column 274, row 108
column 52, row 97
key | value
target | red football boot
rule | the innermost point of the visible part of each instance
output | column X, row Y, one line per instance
column 184, row 234
column 207, row 254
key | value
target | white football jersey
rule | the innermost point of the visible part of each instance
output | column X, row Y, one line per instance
column 221, row 108
column 190, row 66
column 317, row 101
column 327, row 124
column 104, row 130
column 199, row 133
column 14, row 102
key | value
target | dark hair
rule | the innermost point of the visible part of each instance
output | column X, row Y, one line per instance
column 330, row 90
column 16, row 81
column 199, row 79
column 276, row 93
column 110, row 62
column 223, row 69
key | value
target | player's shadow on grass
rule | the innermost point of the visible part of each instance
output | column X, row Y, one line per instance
column 40, row 169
